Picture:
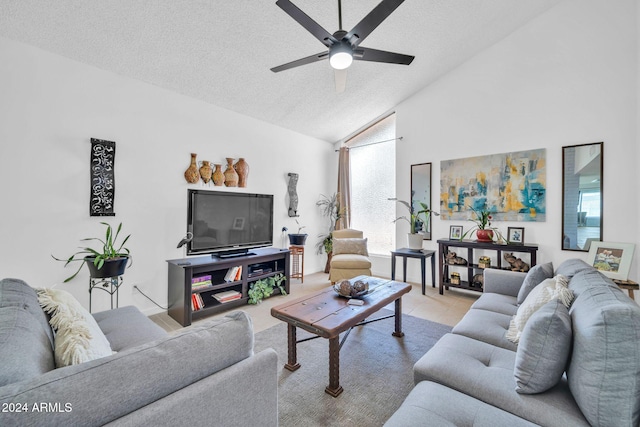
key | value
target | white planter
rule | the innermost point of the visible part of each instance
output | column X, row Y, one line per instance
column 414, row 241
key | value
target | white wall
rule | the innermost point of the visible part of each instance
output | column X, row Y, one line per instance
column 51, row 106
column 568, row 77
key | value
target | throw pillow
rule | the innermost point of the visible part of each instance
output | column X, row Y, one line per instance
column 544, row 349
column 78, row 337
column 548, row 290
column 350, row 246
column 534, row 277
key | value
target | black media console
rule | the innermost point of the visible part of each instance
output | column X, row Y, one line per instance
column 184, row 273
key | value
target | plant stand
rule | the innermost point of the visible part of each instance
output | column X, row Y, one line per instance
column 297, row 262
column 110, row 285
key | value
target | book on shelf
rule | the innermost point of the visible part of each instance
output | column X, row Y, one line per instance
column 197, row 302
column 201, row 281
column 233, row 274
column 201, row 284
column 197, row 279
column 227, row 296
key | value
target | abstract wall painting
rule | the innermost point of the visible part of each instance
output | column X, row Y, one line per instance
column 512, row 186
column 103, row 181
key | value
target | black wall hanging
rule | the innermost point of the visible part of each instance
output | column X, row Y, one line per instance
column 103, row 180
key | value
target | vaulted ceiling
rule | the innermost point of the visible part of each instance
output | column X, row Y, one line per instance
column 221, row 51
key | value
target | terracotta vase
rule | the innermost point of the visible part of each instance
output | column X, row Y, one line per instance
column 242, row 168
column 205, row 171
column 218, row 176
column 191, row 174
column 484, row 235
column 230, row 174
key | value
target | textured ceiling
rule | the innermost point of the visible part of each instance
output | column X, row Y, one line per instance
column 221, row 51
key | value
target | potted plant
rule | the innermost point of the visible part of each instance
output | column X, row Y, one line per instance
column 330, row 207
column 263, row 288
column 298, row 238
column 482, row 228
column 108, row 261
column 414, row 239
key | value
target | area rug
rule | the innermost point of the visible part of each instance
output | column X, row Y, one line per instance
column 375, row 372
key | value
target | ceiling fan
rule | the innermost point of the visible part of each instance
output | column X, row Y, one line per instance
column 344, row 47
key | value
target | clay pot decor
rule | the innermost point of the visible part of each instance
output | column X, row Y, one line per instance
column 230, row 174
column 191, row 174
column 242, row 168
column 484, row 235
column 218, row 176
column 205, row 171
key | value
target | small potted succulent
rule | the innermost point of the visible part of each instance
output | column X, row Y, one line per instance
column 109, row 261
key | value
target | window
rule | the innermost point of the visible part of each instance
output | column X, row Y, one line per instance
column 590, row 202
column 373, row 180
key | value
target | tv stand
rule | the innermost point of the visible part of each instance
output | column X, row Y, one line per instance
column 207, row 277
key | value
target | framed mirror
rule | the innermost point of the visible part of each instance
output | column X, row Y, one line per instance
column 581, row 196
column 421, row 192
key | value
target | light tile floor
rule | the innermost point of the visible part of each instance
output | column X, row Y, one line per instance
column 447, row 309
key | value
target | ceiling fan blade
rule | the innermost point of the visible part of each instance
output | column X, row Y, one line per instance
column 303, row 61
column 375, row 55
column 309, row 24
column 371, row 21
column 341, row 80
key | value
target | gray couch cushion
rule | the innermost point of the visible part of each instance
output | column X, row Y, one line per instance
column 25, row 350
column 243, row 395
column 573, row 266
column 17, row 293
column 604, row 373
column 115, row 324
column 505, row 304
column 544, row 349
column 504, row 282
column 138, row 376
column 433, row 405
column 486, row 326
column 485, row 372
column 535, row 276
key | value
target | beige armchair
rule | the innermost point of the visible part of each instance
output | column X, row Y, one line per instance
column 350, row 256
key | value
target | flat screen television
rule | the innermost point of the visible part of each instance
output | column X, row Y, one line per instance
column 226, row 223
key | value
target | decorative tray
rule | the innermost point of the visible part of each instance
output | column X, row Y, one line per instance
column 359, row 289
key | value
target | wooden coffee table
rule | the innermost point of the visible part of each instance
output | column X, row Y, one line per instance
column 326, row 314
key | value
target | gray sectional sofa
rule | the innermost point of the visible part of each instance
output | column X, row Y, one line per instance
column 467, row 378
column 203, row 375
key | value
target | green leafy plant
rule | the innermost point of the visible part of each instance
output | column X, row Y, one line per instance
column 110, row 250
column 330, row 208
column 482, row 221
column 414, row 214
column 264, row 288
column 483, row 218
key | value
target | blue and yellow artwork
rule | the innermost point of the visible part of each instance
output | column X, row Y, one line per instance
column 512, row 186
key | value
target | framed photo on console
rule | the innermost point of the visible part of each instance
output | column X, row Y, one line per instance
column 515, row 235
column 455, row 232
column 611, row 259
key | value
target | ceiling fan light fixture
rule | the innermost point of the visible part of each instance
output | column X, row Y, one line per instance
column 340, row 56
